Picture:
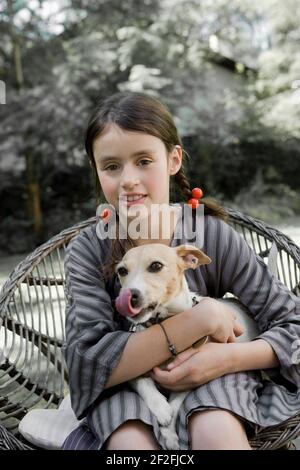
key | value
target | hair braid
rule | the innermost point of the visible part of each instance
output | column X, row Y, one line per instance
column 183, row 184
column 211, row 207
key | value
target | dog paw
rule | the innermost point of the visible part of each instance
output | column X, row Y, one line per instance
column 163, row 412
column 171, row 438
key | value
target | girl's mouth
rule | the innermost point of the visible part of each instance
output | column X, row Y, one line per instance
column 135, row 201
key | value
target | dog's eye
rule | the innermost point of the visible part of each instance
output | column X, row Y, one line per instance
column 122, row 271
column 155, row 266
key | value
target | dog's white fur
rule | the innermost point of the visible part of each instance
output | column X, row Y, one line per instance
column 168, row 289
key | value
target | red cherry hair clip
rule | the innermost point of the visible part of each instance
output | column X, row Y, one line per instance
column 105, row 215
column 197, row 194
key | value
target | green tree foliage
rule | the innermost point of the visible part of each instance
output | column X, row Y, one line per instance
column 278, row 82
column 228, row 71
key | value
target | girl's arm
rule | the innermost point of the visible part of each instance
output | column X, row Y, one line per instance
column 213, row 360
column 237, row 269
column 189, row 369
column 251, row 355
column 149, row 348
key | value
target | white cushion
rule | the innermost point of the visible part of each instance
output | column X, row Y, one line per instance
column 66, row 404
column 49, row 429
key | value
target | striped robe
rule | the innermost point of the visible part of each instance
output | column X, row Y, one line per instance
column 96, row 337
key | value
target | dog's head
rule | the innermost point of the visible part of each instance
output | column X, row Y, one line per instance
column 151, row 275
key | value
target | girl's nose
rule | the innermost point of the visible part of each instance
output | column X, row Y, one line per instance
column 129, row 179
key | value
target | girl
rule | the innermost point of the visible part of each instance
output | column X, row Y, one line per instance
column 134, row 148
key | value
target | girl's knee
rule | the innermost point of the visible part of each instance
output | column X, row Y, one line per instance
column 211, row 417
column 132, row 435
column 217, row 429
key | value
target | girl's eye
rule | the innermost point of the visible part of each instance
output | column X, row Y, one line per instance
column 109, row 167
column 144, row 160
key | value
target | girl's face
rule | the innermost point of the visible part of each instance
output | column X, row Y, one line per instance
column 134, row 162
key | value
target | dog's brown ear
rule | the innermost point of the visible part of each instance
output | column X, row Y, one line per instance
column 191, row 257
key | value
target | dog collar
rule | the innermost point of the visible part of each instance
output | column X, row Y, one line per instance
column 154, row 321
column 150, row 322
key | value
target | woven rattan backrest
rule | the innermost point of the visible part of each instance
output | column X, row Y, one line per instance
column 261, row 237
column 32, row 319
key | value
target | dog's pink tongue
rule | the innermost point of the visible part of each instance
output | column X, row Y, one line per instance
column 123, row 304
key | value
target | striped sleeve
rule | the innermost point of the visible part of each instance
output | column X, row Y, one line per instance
column 93, row 345
column 276, row 309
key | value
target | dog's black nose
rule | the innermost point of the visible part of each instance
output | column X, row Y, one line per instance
column 136, row 298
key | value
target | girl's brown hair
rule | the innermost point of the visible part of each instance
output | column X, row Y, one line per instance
column 139, row 112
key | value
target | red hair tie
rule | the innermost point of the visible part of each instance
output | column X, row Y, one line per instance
column 197, row 194
column 105, row 215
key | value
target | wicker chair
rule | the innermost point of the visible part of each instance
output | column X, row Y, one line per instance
column 32, row 316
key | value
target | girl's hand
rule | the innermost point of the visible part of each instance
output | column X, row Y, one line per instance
column 219, row 319
column 193, row 368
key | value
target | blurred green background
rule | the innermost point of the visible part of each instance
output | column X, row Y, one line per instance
column 228, row 71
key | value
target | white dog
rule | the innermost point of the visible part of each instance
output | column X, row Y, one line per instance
column 153, row 287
